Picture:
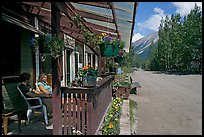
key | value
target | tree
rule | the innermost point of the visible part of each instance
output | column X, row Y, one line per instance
column 180, row 43
column 193, row 37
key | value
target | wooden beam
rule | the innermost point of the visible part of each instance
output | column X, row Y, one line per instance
column 133, row 24
column 71, row 8
column 98, row 32
column 38, row 4
column 99, row 27
column 72, row 31
column 114, row 18
column 96, row 4
column 86, row 14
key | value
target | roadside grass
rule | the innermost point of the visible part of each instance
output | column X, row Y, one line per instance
column 133, row 107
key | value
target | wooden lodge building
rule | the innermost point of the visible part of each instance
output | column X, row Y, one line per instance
column 23, row 21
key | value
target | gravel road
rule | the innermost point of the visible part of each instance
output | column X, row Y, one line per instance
column 168, row 104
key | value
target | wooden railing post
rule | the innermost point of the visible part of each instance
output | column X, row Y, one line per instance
column 90, row 116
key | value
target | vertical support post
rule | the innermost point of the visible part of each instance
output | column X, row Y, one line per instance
column 84, row 55
column 37, row 53
column 99, row 65
column 56, row 100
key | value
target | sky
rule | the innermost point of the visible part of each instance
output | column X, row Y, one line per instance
column 149, row 15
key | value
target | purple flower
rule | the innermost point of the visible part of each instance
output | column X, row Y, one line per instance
column 107, row 39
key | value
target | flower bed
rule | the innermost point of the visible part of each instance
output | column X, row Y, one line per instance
column 111, row 124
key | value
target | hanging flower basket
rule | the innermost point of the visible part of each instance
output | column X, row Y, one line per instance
column 48, row 44
column 108, row 50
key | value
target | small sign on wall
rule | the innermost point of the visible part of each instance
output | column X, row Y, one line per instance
column 69, row 42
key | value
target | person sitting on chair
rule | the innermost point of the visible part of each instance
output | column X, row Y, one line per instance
column 43, row 85
column 28, row 91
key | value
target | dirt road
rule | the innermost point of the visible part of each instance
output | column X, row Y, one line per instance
column 168, row 104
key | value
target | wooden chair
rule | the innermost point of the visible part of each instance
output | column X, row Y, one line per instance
column 13, row 104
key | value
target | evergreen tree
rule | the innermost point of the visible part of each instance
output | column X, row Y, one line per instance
column 180, row 43
column 193, row 37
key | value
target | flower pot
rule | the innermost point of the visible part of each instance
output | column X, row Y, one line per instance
column 126, row 93
column 123, row 92
column 89, row 81
column 108, row 50
column 120, row 91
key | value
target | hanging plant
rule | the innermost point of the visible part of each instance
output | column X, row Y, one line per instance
column 89, row 37
column 110, row 47
column 50, row 45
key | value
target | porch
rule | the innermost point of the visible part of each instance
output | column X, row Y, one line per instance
column 83, row 111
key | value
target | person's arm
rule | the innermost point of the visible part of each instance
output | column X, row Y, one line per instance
column 37, row 91
column 34, row 94
column 29, row 92
column 43, row 90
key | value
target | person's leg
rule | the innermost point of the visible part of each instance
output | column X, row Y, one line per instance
column 48, row 103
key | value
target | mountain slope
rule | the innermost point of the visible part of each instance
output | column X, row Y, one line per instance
column 142, row 46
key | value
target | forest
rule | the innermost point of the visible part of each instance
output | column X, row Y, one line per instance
column 179, row 48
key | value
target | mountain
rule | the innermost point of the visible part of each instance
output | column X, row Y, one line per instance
column 142, row 46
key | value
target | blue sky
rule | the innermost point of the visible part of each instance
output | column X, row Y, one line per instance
column 149, row 15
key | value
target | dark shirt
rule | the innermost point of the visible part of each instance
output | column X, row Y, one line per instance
column 25, row 89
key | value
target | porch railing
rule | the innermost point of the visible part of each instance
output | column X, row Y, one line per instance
column 84, row 108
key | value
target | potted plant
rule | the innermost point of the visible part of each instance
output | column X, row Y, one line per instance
column 50, row 45
column 123, row 87
column 111, row 65
column 89, row 76
column 109, row 46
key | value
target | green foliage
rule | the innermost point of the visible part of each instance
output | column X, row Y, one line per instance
column 133, row 106
column 89, row 37
column 111, row 125
column 50, row 44
column 128, row 62
column 122, row 83
column 87, row 70
column 179, row 44
column 111, row 65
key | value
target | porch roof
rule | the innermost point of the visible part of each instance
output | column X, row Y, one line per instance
column 115, row 18
column 20, row 23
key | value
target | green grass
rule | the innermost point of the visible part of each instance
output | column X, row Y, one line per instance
column 133, row 106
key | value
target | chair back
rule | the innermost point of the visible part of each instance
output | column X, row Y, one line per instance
column 11, row 98
column 36, row 85
column 23, row 95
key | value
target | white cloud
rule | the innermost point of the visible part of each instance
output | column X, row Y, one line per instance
column 184, row 8
column 154, row 21
column 158, row 10
column 136, row 37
